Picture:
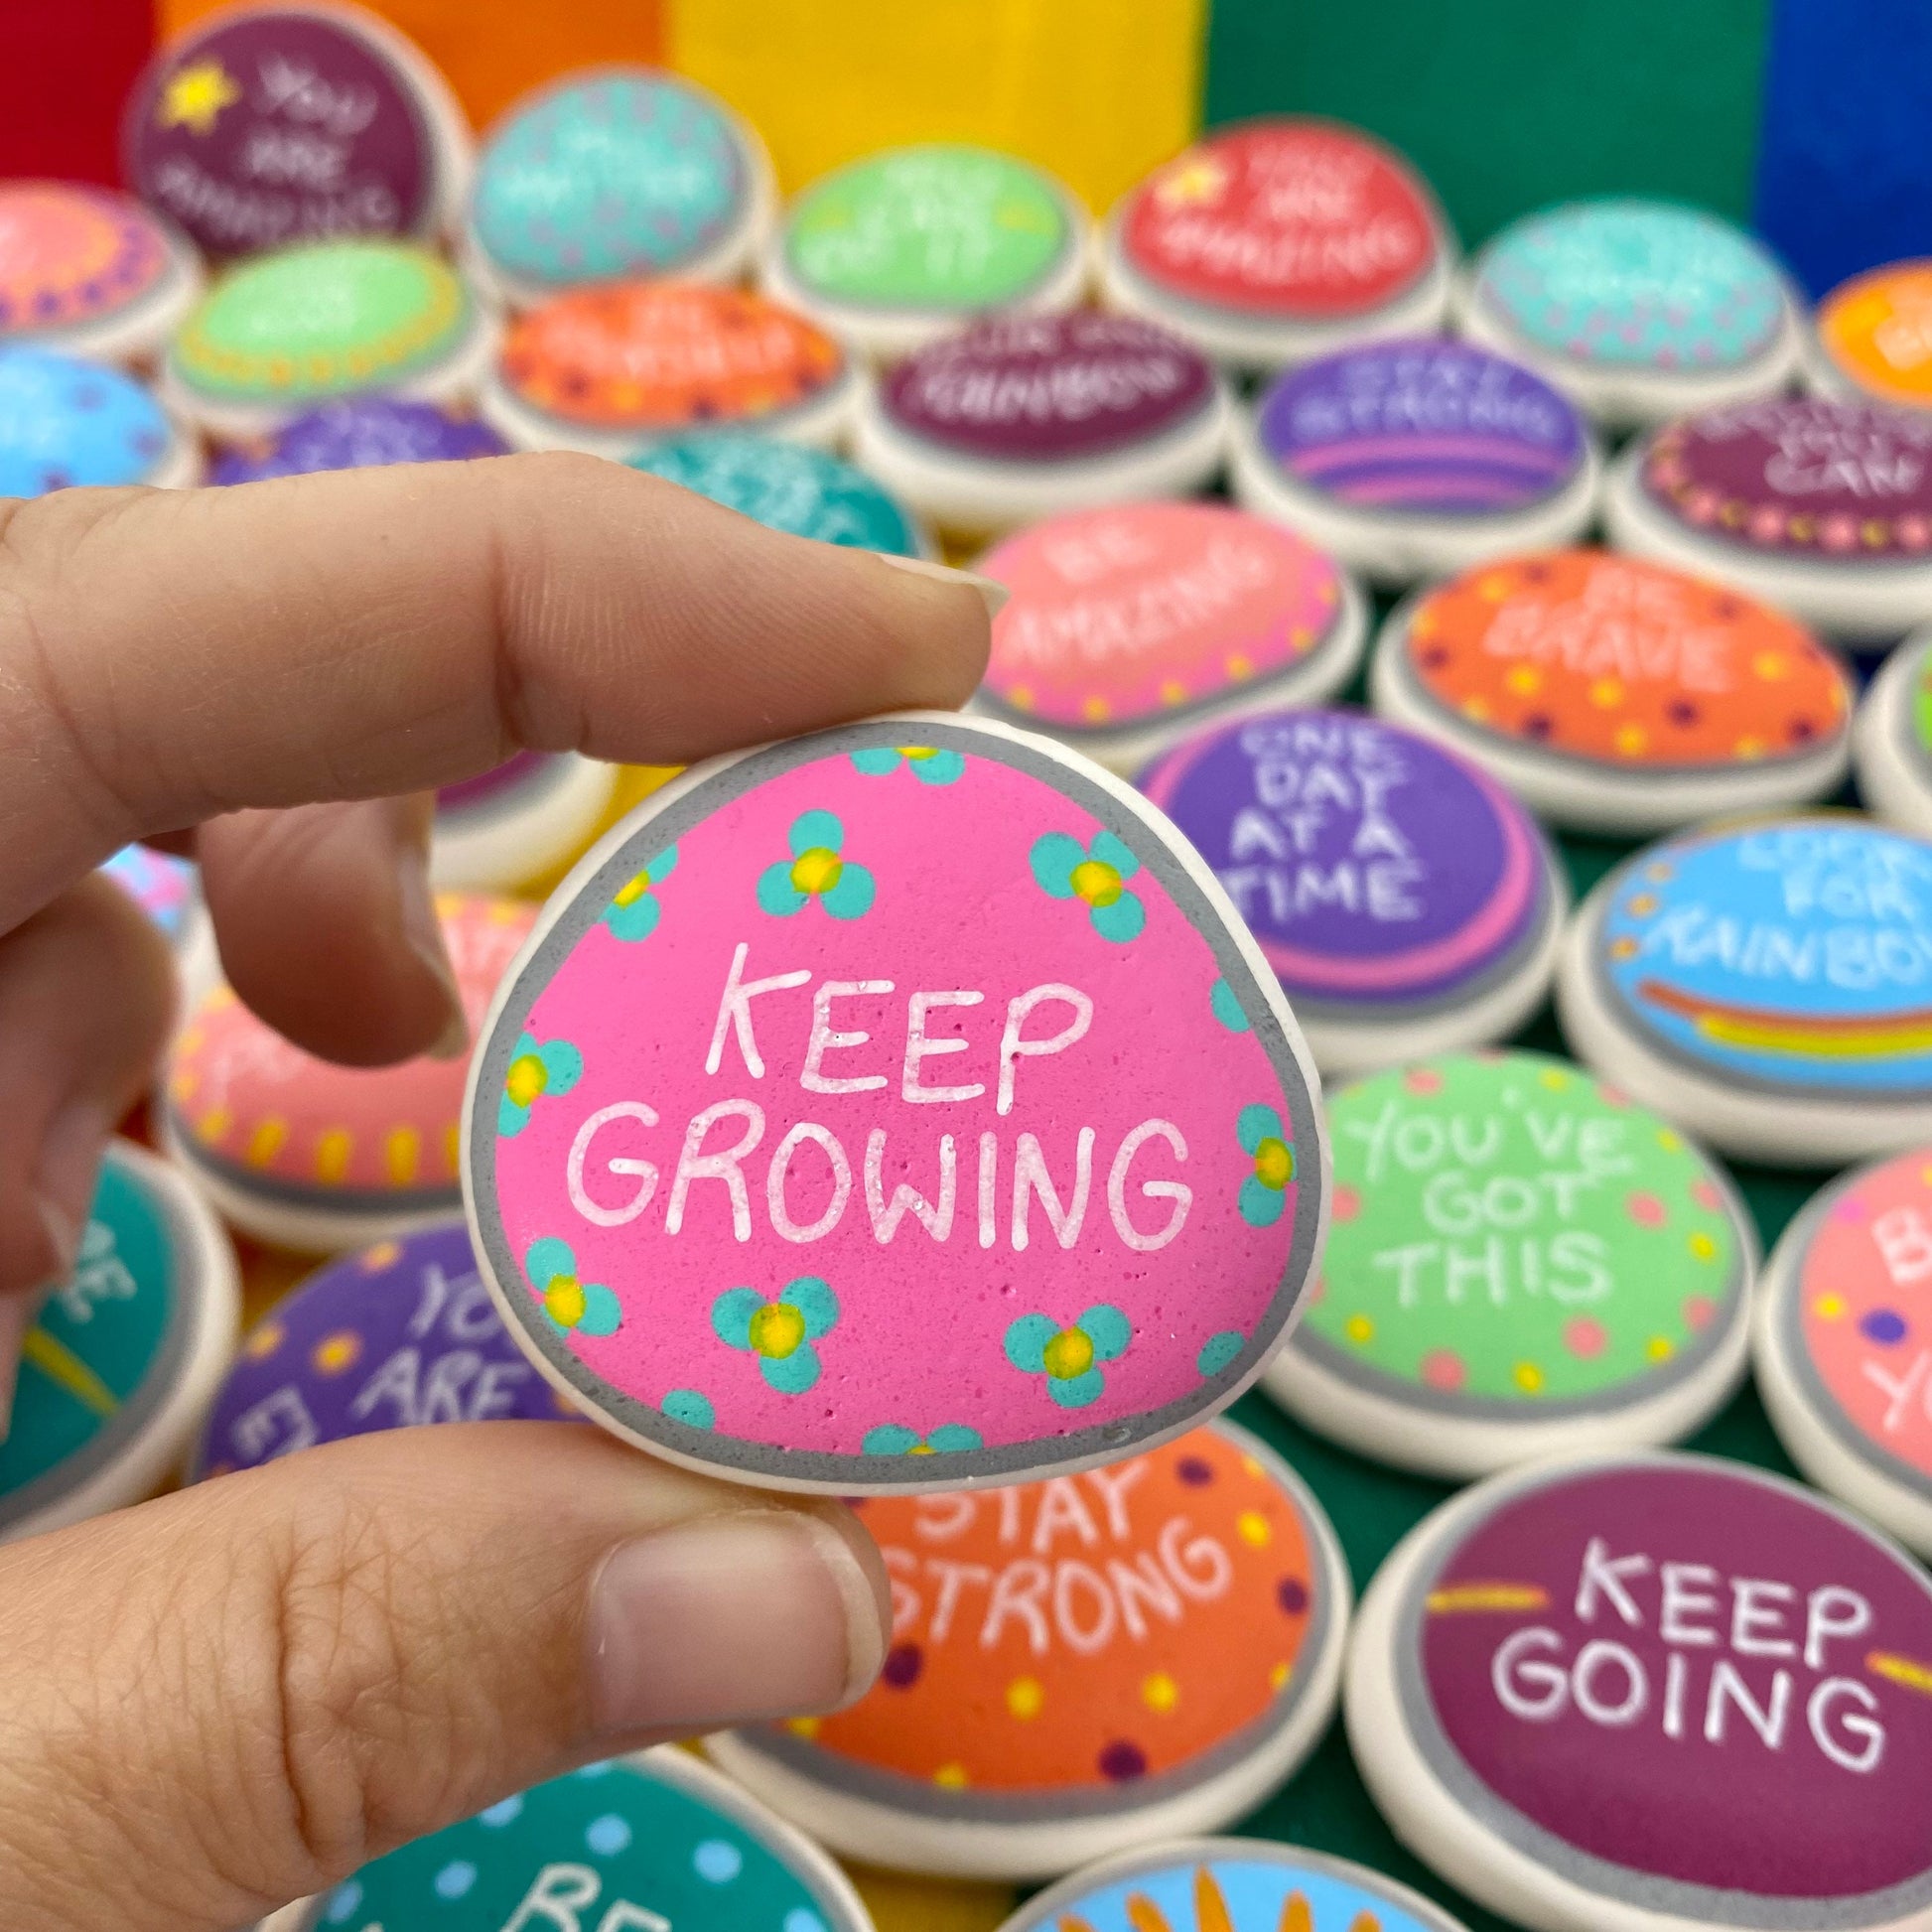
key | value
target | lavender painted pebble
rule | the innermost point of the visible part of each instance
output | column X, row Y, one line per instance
column 1025, row 416
column 360, row 432
column 1652, row 1693
column 390, row 1337
column 1418, row 458
column 1406, row 903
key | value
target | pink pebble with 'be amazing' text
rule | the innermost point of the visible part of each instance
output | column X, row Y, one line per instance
column 870, row 1114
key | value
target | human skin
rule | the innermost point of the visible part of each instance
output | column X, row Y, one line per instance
column 234, row 1696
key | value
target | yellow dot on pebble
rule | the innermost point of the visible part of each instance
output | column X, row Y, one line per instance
column 1623, row 947
column 1553, row 1077
column 264, row 1341
column 1703, row 1246
column 1631, row 739
column 1254, row 1529
column 1160, row 1692
column 1240, row 664
column 1748, row 746
column 1524, row 680
column 380, row 1255
column 1771, row 665
column 806, row 1727
column 1606, row 693
column 1493, row 589
column 1250, row 1466
column 950, row 1777
column 1025, row 1697
column 1358, row 1328
column 334, row 1353
column 1527, row 1377
column 1095, row 709
column 1657, row 872
column 1640, row 905
column 1172, row 691
column 1278, row 1676
column 1830, row 1308
column 1476, row 709
column 1659, row 1348
column 1668, row 1141
column 1021, row 697
column 1925, row 1176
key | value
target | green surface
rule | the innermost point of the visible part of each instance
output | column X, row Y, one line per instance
column 1326, row 1803
column 1508, row 105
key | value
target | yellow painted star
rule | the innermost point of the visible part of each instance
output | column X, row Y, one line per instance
column 195, row 95
column 1194, row 180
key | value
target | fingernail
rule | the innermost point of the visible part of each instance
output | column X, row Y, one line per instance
column 423, row 932
column 64, row 1177
column 16, row 1317
column 993, row 594
column 727, row 1621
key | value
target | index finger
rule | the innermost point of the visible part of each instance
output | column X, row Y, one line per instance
column 168, row 656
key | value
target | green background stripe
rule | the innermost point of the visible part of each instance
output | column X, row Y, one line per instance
column 1508, row 104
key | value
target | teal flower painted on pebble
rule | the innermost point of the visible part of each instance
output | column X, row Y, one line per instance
column 930, row 764
column 1227, row 1009
column 1218, row 1351
column 895, row 1438
column 1096, row 872
column 536, row 1068
column 586, row 1307
column 820, row 871
column 1261, row 1134
column 1071, row 1357
column 691, row 1407
column 634, row 911
column 780, row 1331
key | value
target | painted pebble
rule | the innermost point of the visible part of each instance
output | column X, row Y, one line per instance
column 1521, row 1264
column 1612, row 694
column 612, row 370
column 305, row 1155
column 1653, row 1693
column 1229, row 1885
column 266, row 127
column 788, row 487
column 1819, row 505
column 1892, row 738
column 125, row 1355
column 965, row 1103
column 1028, row 416
column 613, row 174
column 1767, row 985
column 1076, row 1667
column 1276, row 240
column 1874, row 337
column 89, row 272
column 1640, row 309
column 67, row 422
column 894, row 251
column 391, row 1336
column 1131, row 627
column 517, row 821
column 656, row 1842
column 1406, row 903
column 280, row 335
column 1418, row 458
column 1844, row 1343
column 359, row 433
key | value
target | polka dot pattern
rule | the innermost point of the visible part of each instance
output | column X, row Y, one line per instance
column 1615, row 661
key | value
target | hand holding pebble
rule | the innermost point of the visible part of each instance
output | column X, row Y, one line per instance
column 303, row 1665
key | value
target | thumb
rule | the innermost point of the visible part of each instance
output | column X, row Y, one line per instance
column 234, row 1696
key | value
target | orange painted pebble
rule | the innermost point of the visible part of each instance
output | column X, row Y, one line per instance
column 1616, row 694
column 1075, row 1666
